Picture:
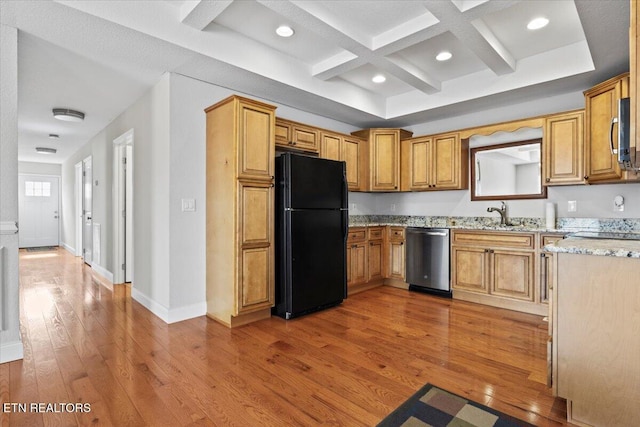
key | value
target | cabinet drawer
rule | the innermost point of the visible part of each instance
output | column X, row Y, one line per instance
column 494, row 239
column 396, row 233
column 550, row 238
column 375, row 233
column 357, row 234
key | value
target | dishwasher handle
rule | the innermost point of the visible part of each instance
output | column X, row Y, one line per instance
column 429, row 232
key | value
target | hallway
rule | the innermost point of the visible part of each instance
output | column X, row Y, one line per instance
column 350, row 365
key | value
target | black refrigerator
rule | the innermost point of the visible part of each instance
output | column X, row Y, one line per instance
column 312, row 222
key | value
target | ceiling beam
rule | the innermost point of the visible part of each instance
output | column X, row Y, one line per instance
column 200, row 13
column 469, row 28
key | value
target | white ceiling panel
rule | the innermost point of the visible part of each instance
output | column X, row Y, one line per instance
column 423, row 56
column 510, row 27
column 362, row 77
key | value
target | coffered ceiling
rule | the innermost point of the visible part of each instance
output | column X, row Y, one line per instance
column 99, row 56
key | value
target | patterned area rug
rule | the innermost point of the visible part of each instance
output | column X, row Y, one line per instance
column 434, row 407
column 42, row 248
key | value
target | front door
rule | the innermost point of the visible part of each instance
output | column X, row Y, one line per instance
column 38, row 215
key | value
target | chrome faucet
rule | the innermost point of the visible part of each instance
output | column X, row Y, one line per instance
column 502, row 210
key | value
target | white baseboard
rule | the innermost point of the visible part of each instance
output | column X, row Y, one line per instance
column 187, row 312
column 11, row 351
column 102, row 272
column 166, row 315
column 69, row 248
column 156, row 308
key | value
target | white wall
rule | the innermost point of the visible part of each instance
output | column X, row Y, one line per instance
column 496, row 177
column 528, row 178
column 34, row 168
column 10, row 341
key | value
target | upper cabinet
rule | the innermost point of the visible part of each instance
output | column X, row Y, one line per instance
column 384, row 157
column 335, row 146
column 438, row 162
column 563, row 148
column 601, row 105
column 291, row 135
column 633, row 81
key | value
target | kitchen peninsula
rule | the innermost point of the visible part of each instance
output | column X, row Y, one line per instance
column 595, row 326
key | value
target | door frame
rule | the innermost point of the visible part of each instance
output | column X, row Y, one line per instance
column 122, row 148
column 79, row 217
column 85, row 161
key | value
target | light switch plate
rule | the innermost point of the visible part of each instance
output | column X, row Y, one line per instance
column 188, row 205
column 572, row 206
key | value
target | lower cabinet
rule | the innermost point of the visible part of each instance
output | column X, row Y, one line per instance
column 396, row 257
column 496, row 268
column 374, row 254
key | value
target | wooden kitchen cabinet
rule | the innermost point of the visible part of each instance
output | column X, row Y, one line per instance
column 240, row 166
column 396, row 253
column 291, row 135
column 601, row 105
column 375, row 256
column 563, row 148
column 356, row 259
column 437, row 162
column 384, row 157
column 345, row 148
column 495, row 268
column 596, row 339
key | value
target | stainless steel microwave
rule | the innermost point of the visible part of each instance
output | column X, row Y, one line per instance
column 625, row 153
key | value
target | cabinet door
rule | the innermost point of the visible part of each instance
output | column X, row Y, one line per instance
column 446, row 161
column 352, row 156
column 563, row 149
column 396, row 260
column 601, row 106
column 376, row 260
column 417, row 170
column 357, row 264
column 469, row 269
column 256, row 149
column 330, row 146
column 255, row 264
column 385, row 156
column 305, row 138
column 512, row 274
column 283, row 133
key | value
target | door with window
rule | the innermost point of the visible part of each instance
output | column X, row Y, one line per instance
column 39, row 210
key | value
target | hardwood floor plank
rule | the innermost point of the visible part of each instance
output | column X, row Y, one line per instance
column 346, row 366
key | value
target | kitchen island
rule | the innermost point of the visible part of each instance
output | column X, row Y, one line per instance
column 595, row 324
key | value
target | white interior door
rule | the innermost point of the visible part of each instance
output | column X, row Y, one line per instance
column 39, row 207
column 87, row 206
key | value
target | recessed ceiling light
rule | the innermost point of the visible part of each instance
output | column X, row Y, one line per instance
column 378, row 78
column 45, row 150
column 68, row 115
column 444, row 56
column 537, row 23
column 284, row 31
column 53, row 136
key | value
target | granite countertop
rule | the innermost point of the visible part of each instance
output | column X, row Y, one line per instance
column 600, row 247
column 573, row 245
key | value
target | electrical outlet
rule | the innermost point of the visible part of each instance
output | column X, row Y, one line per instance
column 393, row 207
column 354, row 206
column 572, row 206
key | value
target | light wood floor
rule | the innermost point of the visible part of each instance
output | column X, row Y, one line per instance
column 348, row 366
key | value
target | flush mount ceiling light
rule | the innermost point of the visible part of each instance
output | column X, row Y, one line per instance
column 284, row 31
column 53, row 136
column 537, row 23
column 444, row 56
column 45, row 150
column 68, row 115
column 378, row 78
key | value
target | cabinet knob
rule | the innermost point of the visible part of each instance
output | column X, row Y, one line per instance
column 586, row 177
column 548, row 179
column 395, row 188
column 401, row 243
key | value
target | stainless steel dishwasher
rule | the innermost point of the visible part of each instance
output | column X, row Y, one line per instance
column 427, row 254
